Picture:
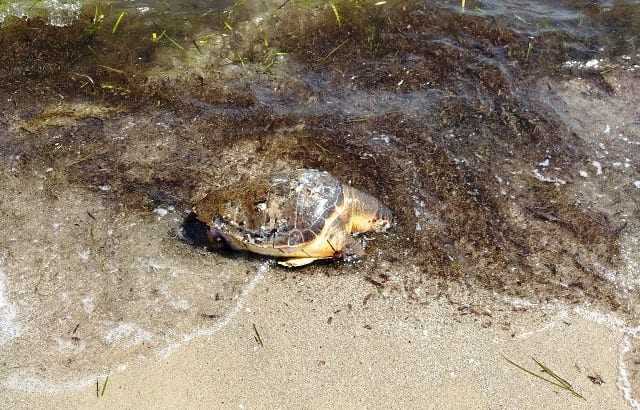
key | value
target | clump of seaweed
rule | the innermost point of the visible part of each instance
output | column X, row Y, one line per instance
column 617, row 25
column 105, row 54
column 433, row 45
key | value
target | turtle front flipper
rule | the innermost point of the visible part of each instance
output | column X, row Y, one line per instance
column 296, row 262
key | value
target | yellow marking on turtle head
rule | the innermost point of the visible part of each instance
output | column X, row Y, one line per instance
column 378, row 221
column 367, row 213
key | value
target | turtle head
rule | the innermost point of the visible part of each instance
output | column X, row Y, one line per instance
column 368, row 214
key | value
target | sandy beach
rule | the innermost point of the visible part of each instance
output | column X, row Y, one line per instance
column 503, row 139
column 322, row 348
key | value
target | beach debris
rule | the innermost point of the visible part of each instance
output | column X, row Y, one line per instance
column 257, row 336
column 557, row 380
column 596, row 379
column 540, row 177
column 373, row 282
column 100, row 392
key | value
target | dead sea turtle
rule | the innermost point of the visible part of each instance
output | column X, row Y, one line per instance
column 298, row 216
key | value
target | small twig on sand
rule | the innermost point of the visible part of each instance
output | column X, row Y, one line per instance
column 172, row 41
column 322, row 148
column 257, row 337
column 87, row 77
column 104, row 386
column 336, row 13
column 374, row 282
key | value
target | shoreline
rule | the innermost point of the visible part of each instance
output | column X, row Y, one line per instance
column 391, row 340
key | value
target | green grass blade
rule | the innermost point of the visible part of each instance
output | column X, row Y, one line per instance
column 535, row 374
column 558, row 378
column 337, row 14
column 552, row 374
column 559, row 381
column 117, row 23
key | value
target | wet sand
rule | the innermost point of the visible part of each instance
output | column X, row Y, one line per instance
column 385, row 354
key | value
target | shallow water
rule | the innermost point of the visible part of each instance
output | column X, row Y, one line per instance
column 532, row 17
column 505, row 138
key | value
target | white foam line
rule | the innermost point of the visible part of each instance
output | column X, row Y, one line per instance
column 224, row 321
column 31, row 384
column 28, row 383
column 608, row 320
column 562, row 314
column 9, row 329
column 613, row 322
column 624, row 384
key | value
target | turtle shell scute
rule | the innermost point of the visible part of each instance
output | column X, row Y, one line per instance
column 293, row 211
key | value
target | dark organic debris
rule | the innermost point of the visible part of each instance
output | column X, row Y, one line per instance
column 596, row 379
column 373, row 282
